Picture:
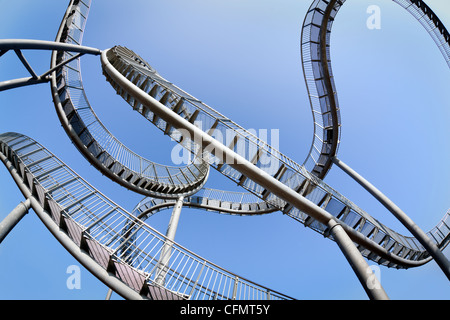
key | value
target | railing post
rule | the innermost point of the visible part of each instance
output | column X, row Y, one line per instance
column 196, row 281
column 236, row 280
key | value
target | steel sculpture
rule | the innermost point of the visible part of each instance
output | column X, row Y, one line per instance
column 131, row 257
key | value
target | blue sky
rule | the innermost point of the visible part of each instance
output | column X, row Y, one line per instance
column 243, row 59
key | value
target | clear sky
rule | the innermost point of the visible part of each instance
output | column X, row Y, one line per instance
column 242, row 57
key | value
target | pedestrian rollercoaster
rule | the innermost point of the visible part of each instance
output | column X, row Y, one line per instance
column 121, row 248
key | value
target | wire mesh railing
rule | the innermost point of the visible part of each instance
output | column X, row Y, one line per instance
column 220, row 201
column 432, row 24
column 99, row 142
column 285, row 170
column 323, row 103
column 96, row 222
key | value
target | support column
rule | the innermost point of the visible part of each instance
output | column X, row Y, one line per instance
column 13, row 218
column 109, row 294
column 421, row 236
column 167, row 247
column 359, row 265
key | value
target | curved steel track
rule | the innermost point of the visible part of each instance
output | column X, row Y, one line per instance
column 220, row 201
column 90, row 226
column 95, row 142
column 126, row 253
column 128, row 73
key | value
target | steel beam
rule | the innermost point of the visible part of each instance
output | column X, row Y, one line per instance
column 244, row 166
column 167, row 248
column 223, row 153
column 420, row 235
column 27, row 44
column 22, row 82
column 13, row 219
column 24, row 44
column 368, row 280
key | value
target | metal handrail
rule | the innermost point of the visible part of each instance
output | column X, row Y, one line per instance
column 96, row 223
column 94, row 140
column 407, row 249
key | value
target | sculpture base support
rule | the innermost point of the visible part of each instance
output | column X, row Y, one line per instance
column 13, row 219
column 359, row 265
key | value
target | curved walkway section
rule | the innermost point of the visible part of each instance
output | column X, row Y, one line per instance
column 316, row 61
column 431, row 22
column 220, row 201
column 316, row 35
column 95, row 142
column 90, row 226
column 212, row 200
column 131, row 76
